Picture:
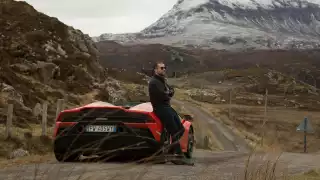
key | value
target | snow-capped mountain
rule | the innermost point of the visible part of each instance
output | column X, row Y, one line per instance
column 233, row 24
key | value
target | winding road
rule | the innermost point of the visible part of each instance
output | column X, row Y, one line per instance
column 227, row 164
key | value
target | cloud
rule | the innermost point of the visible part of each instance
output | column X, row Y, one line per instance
column 105, row 16
column 120, row 24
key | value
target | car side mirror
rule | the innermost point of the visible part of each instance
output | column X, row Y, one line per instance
column 187, row 117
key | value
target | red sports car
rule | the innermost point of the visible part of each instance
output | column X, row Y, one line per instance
column 106, row 130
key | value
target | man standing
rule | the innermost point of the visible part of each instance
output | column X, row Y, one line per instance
column 160, row 94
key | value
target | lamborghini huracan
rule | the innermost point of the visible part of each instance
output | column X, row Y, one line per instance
column 105, row 129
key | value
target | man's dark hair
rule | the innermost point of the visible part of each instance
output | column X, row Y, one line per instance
column 155, row 65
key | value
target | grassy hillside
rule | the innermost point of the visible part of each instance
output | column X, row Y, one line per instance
column 288, row 102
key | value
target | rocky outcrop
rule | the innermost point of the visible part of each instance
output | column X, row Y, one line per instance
column 18, row 153
column 206, row 95
column 43, row 59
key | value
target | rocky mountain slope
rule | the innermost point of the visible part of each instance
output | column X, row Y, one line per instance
column 233, row 24
column 43, row 59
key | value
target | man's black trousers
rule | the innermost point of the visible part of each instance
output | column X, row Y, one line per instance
column 171, row 122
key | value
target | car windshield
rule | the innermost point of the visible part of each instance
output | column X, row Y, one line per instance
column 129, row 104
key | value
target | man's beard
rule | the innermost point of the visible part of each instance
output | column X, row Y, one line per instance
column 161, row 74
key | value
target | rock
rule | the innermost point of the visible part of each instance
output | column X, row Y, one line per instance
column 87, row 55
column 6, row 88
column 61, row 51
column 20, row 67
column 18, row 153
column 11, row 93
column 115, row 95
column 82, row 74
column 50, row 46
column 76, row 37
column 205, row 95
column 38, row 54
column 46, row 70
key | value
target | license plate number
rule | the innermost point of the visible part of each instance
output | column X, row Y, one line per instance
column 101, row 128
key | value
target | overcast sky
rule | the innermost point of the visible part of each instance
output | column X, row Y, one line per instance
column 95, row 17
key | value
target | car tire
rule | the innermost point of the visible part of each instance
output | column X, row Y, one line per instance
column 66, row 157
column 190, row 146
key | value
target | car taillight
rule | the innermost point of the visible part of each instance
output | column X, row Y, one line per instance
column 69, row 116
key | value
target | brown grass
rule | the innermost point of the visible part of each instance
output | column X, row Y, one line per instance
column 280, row 125
column 269, row 169
column 27, row 139
column 32, row 159
column 264, row 171
column 255, row 169
column 247, row 116
column 310, row 175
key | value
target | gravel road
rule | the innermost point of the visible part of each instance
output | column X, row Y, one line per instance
column 209, row 166
column 225, row 136
column 227, row 164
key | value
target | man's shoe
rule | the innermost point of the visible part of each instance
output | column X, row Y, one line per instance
column 180, row 159
column 183, row 162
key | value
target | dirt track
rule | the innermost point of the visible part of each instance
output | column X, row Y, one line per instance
column 227, row 164
column 209, row 166
column 229, row 141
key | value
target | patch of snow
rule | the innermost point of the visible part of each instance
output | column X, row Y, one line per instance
column 266, row 4
column 188, row 4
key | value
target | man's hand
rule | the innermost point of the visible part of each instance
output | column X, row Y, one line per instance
column 171, row 91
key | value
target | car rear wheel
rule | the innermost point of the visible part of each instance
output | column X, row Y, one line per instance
column 190, row 147
column 63, row 156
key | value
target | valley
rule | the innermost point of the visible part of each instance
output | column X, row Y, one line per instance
column 243, row 109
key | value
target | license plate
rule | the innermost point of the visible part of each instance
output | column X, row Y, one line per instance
column 101, row 128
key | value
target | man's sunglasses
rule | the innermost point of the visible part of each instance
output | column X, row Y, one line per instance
column 162, row 68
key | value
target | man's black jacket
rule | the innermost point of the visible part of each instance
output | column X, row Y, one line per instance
column 160, row 92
